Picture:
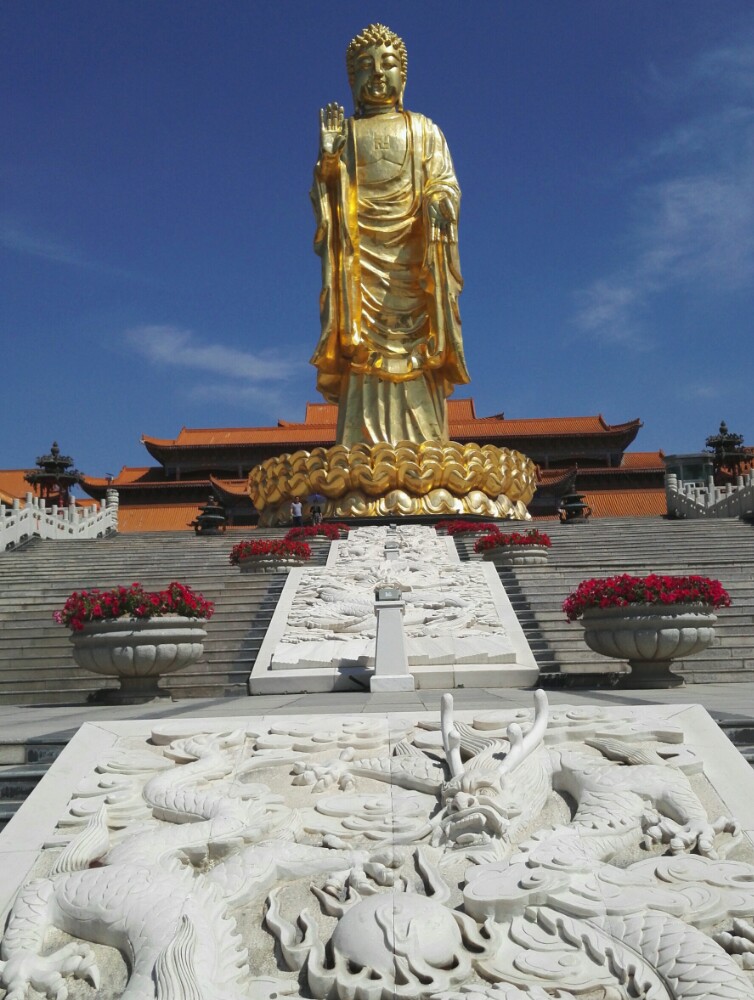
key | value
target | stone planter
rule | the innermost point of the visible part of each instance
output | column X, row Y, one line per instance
column 517, row 555
column 139, row 652
column 650, row 637
column 269, row 564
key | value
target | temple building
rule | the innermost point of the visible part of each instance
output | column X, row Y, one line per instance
column 585, row 454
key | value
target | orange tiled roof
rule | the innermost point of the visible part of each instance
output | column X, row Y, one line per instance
column 538, row 426
column 643, row 460
column 141, row 476
column 128, row 474
column 620, row 503
column 236, row 487
column 243, row 436
column 319, row 414
column 13, row 486
column 326, row 414
column 321, row 419
column 627, row 503
column 551, row 477
column 463, row 409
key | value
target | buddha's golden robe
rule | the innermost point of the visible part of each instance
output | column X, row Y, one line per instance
column 390, row 352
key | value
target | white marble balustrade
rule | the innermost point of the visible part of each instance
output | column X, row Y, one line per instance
column 690, row 500
column 18, row 523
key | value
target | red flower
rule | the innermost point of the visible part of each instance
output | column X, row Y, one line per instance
column 132, row 602
column 619, row 591
column 496, row 540
column 276, row 548
column 466, row 527
column 330, row 530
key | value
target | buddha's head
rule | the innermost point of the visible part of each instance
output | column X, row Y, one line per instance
column 377, row 62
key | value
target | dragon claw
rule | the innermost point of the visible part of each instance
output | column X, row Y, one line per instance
column 44, row 973
column 684, row 837
column 739, row 941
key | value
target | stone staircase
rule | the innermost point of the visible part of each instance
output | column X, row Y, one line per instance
column 22, row 767
column 36, row 666
column 723, row 549
column 740, row 731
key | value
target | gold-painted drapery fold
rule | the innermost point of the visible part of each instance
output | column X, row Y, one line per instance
column 390, row 350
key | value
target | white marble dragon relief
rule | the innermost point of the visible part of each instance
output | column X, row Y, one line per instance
column 450, row 616
column 508, row 856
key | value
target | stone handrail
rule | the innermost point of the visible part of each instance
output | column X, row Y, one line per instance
column 18, row 523
column 689, row 500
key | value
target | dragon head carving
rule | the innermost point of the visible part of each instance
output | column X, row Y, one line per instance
column 493, row 782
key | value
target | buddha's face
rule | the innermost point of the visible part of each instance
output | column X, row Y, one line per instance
column 377, row 83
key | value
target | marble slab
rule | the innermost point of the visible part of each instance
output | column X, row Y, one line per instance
column 460, row 627
column 489, row 855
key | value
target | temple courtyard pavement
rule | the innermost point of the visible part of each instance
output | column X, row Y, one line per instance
column 726, row 702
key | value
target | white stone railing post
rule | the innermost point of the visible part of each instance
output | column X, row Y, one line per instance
column 112, row 501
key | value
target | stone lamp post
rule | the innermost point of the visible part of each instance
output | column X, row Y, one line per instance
column 391, row 671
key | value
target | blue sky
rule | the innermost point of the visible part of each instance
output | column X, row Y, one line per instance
column 156, row 259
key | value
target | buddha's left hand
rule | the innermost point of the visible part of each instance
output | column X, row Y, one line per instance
column 442, row 219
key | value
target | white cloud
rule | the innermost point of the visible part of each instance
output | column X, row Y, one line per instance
column 169, row 346
column 44, row 247
column 607, row 306
column 14, row 239
column 727, row 68
column 701, row 390
column 693, row 211
column 270, row 400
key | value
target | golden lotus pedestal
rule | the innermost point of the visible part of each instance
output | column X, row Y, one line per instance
column 402, row 480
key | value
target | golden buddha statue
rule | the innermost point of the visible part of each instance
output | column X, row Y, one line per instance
column 390, row 353
column 386, row 200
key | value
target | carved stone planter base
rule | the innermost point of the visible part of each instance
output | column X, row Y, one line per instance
column 138, row 652
column 649, row 638
column 131, row 691
column 262, row 565
column 518, row 555
column 650, row 674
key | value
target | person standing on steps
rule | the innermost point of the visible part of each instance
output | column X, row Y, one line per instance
column 297, row 512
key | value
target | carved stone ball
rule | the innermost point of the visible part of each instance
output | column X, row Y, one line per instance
column 371, row 931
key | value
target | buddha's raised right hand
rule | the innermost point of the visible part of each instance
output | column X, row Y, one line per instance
column 332, row 129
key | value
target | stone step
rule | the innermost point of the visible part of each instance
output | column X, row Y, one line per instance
column 17, row 781
column 37, row 579
column 40, row 750
column 723, row 550
column 8, row 810
column 739, row 731
column 36, row 665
